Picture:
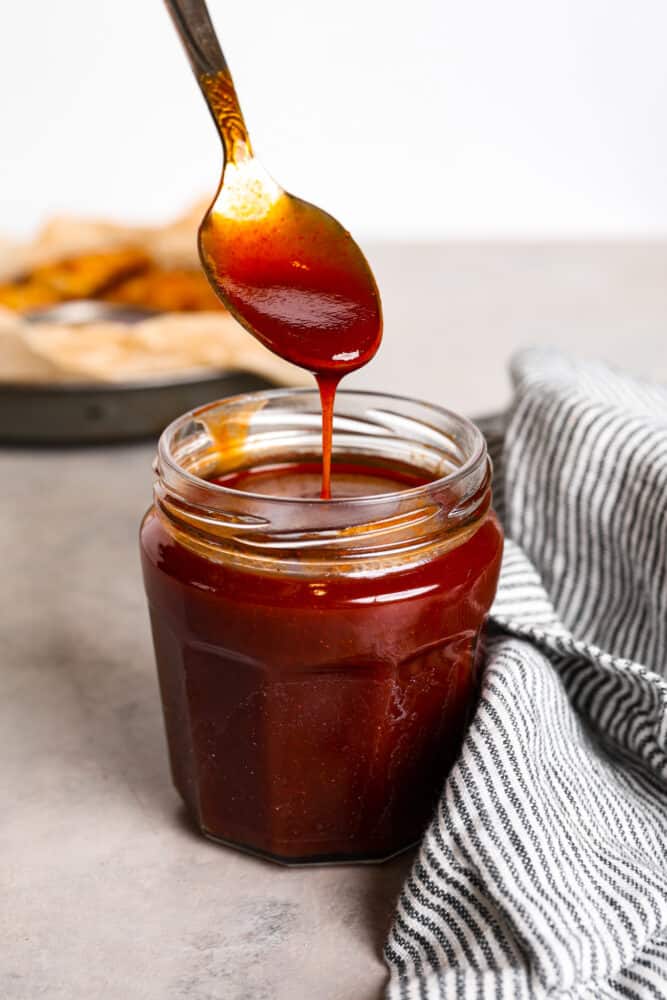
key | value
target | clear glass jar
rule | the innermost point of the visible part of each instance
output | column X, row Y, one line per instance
column 318, row 659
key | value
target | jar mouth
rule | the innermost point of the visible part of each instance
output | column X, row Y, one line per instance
column 474, row 458
column 391, row 435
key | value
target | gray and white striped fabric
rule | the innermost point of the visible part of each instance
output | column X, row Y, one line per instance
column 544, row 870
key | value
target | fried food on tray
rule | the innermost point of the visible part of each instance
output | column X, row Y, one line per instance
column 151, row 267
column 166, row 290
column 27, row 294
column 125, row 276
column 86, row 276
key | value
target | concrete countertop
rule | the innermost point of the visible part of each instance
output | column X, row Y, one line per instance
column 107, row 892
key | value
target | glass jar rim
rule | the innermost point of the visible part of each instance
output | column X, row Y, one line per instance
column 303, row 534
column 470, row 464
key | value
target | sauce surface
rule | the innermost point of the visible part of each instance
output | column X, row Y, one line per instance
column 302, row 480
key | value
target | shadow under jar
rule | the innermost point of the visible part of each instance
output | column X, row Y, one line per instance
column 318, row 659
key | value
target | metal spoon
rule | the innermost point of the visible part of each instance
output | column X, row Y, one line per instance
column 288, row 271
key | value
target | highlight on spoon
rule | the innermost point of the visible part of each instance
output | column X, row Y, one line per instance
column 248, row 192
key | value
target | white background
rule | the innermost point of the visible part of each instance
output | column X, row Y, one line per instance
column 422, row 120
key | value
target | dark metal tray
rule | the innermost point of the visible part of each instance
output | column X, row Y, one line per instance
column 76, row 413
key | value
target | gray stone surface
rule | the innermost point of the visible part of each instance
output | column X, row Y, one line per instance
column 106, row 891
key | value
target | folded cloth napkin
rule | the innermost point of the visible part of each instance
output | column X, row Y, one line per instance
column 544, row 870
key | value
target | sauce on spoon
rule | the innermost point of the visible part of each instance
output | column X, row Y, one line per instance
column 285, row 269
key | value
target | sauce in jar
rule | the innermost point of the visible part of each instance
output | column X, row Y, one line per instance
column 318, row 661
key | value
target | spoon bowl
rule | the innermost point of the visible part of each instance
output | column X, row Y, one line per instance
column 291, row 275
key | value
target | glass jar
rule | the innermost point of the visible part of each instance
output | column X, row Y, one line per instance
column 318, row 659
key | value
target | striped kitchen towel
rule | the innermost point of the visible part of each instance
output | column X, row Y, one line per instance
column 544, row 870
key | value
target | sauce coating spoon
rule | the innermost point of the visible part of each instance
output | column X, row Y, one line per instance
column 287, row 270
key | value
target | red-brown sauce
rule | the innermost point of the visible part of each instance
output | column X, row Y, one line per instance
column 302, row 479
column 315, row 717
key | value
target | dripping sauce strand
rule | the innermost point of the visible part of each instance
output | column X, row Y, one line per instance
column 285, row 269
column 327, row 385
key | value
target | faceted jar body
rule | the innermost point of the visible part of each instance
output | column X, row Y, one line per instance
column 318, row 660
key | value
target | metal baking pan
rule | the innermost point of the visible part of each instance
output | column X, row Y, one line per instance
column 77, row 413
column 97, row 412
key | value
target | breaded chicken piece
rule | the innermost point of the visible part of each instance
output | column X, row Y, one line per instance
column 86, row 276
column 166, row 290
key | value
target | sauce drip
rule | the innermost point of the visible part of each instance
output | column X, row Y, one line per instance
column 286, row 270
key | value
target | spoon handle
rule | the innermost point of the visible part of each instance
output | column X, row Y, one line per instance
column 193, row 24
